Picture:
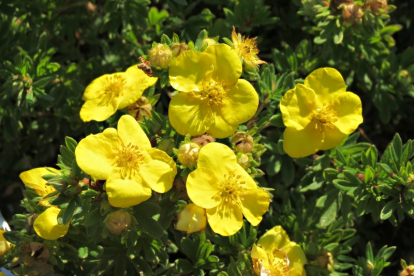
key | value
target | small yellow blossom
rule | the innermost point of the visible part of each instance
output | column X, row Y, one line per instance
column 125, row 159
column 213, row 99
column 319, row 114
column 276, row 255
column 33, row 179
column 47, row 227
column 110, row 92
column 246, row 49
column 225, row 190
column 5, row 246
column 192, row 219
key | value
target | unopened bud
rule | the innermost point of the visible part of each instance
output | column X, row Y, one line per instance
column 351, row 14
column 140, row 108
column 336, row 3
column 209, row 41
column 242, row 141
column 5, row 246
column 408, row 271
column 325, row 261
column 178, row 48
column 117, row 221
column 203, row 140
column 160, row 56
column 378, row 4
column 243, row 161
column 188, row 154
column 192, row 219
column 404, row 77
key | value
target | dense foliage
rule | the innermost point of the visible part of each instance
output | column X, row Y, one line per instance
column 349, row 207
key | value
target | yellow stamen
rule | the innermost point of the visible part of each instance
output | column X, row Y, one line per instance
column 231, row 188
column 278, row 266
column 113, row 87
column 214, row 92
column 325, row 118
column 128, row 159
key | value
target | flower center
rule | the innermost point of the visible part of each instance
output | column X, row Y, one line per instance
column 325, row 118
column 128, row 159
column 214, row 92
column 113, row 87
column 278, row 266
column 231, row 187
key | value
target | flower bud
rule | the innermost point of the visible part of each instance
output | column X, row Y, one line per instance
column 160, row 56
column 140, row 108
column 209, row 41
column 188, row 154
column 408, row 271
column 178, row 48
column 351, row 14
column 325, row 261
column 203, row 140
column 378, row 4
column 243, row 161
column 191, row 219
column 242, row 141
column 117, row 221
column 404, row 77
column 5, row 246
column 336, row 3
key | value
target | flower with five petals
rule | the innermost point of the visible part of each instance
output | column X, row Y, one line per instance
column 225, row 190
column 213, row 99
column 319, row 114
column 125, row 159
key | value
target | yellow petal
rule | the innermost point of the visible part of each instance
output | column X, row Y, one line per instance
column 301, row 143
column 225, row 219
column 241, row 103
column 95, row 89
column 220, row 128
column 137, row 82
column 159, row 172
column 325, row 81
column 130, row 132
column 333, row 138
column 96, row 154
column 192, row 219
column 226, row 64
column 124, row 192
column 98, row 111
column 349, row 111
column 188, row 70
column 5, row 246
column 189, row 115
column 217, row 158
column 47, row 227
column 259, row 254
column 274, row 238
column 202, row 187
column 297, row 259
column 33, row 179
column 297, row 106
column 255, row 203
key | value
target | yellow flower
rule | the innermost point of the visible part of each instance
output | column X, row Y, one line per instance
column 246, row 49
column 33, row 179
column 225, row 190
column 213, row 99
column 319, row 114
column 5, row 246
column 125, row 159
column 47, row 227
column 276, row 255
column 192, row 219
column 110, row 92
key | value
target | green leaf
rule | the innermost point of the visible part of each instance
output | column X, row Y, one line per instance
column 41, row 83
column 388, row 209
column 71, row 143
column 152, row 227
column 68, row 213
column 183, row 266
